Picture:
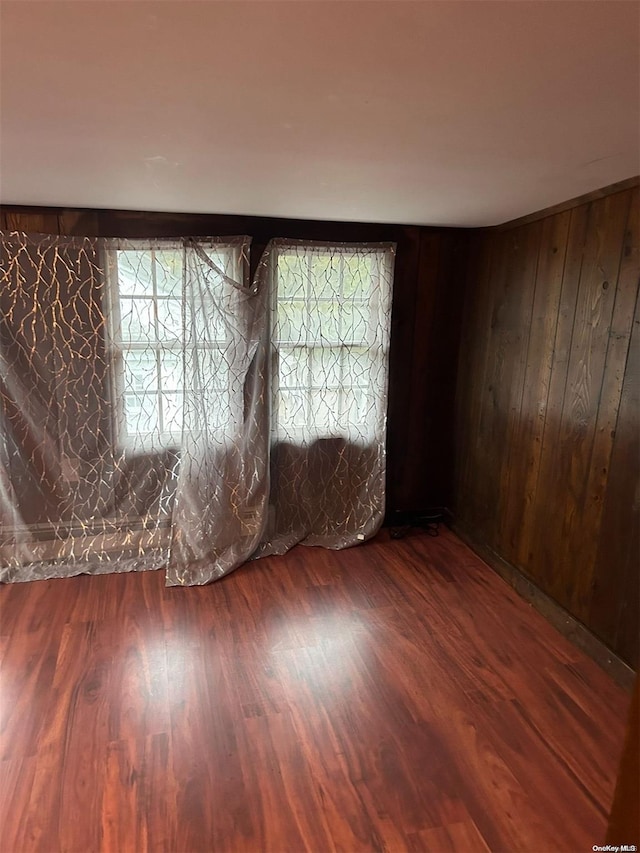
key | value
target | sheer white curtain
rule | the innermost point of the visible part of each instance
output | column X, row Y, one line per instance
column 330, row 322
column 123, row 366
column 158, row 409
column 223, row 482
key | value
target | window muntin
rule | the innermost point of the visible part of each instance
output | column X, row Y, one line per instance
column 331, row 325
column 155, row 349
column 330, row 335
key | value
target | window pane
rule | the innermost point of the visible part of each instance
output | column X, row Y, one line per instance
column 325, row 366
column 356, row 281
column 140, row 371
column 169, row 272
column 172, row 412
column 171, row 371
column 141, row 413
column 324, row 322
column 292, row 411
column 293, row 274
column 325, row 276
column 136, row 320
column 294, row 367
column 207, row 369
column 226, row 259
column 221, row 374
column 335, row 303
column 291, row 321
column 169, row 319
column 357, row 366
column 355, row 319
column 206, row 317
column 325, row 413
column 134, row 273
column 355, row 406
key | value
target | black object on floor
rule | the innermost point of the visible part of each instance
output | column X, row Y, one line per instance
column 401, row 523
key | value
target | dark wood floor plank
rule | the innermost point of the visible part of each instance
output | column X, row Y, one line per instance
column 17, row 777
column 498, row 741
column 463, row 835
column 134, row 816
column 28, row 671
column 397, row 696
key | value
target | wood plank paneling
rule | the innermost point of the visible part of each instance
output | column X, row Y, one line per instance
column 510, row 329
column 544, row 513
column 396, row 696
column 432, row 365
column 30, row 219
column 616, row 565
column 537, row 394
column 472, row 364
column 584, row 406
column 547, row 417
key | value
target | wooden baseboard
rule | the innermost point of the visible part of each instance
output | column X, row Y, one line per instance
column 553, row 612
column 127, row 542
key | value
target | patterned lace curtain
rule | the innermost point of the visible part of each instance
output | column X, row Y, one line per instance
column 156, row 409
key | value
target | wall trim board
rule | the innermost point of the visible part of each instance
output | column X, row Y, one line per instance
column 117, row 222
column 594, row 195
column 554, row 613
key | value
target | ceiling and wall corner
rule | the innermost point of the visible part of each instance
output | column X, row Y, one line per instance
column 429, row 113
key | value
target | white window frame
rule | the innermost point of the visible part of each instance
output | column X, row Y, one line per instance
column 117, row 347
column 375, row 340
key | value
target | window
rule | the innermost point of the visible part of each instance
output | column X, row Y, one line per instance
column 332, row 317
column 173, row 338
column 153, row 337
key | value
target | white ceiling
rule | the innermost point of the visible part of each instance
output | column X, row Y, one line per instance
column 444, row 113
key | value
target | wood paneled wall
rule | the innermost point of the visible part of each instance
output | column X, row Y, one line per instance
column 424, row 326
column 547, row 433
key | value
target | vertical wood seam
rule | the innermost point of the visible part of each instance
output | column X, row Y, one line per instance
column 607, row 359
column 587, row 225
column 553, row 356
column 622, row 603
column 534, row 495
column 518, row 429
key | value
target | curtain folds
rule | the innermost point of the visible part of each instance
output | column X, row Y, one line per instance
column 159, row 409
column 330, row 308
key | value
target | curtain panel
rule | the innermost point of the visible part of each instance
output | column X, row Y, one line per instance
column 158, row 409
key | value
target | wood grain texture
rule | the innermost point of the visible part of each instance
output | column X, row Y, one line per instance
column 396, row 696
column 528, row 425
column 616, row 564
column 473, row 362
column 624, row 819
column 547, row 409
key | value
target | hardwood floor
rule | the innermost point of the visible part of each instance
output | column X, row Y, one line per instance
column 397, row 696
